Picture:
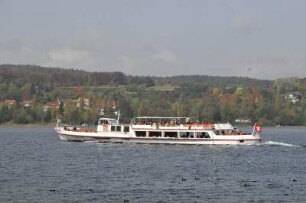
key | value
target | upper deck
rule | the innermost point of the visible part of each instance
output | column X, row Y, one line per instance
column 169, row 123
column 179, row 123
column 149, row 120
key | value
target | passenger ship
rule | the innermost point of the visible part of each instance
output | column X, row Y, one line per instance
column 160, row 130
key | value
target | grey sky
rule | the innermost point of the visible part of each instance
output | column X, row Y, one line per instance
column 258, row 38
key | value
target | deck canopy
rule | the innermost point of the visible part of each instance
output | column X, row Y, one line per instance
column 158, row 119
column 223, row 126
column 108, row 121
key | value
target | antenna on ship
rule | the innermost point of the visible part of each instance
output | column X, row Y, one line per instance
column 118, row 114
column 101, row 113
column 58, row 121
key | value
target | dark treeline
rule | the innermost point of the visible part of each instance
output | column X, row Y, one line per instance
column 81, row 95
column 59, row 77
column 216, row 81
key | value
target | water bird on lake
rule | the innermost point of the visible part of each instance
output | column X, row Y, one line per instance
column 125, row 199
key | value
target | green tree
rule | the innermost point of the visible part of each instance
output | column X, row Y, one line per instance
column 5, row 114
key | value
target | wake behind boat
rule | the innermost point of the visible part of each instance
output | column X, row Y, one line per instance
column 159, row 130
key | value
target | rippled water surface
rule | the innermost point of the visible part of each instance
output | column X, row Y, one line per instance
column 35, row 166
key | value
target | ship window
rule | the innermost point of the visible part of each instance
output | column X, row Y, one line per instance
column 217, row 132
column 206, row 135
column 115, row 128
column 170, row 134
column 118, row 128
column 202, row 135
column 104, row 122
column 187, row 134
column 154, row 134
column 140, row 133
column 126, row 129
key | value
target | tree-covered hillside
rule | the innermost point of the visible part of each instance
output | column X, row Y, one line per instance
column 31, row 94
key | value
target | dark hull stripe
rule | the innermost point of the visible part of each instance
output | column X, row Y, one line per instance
column 158, row 139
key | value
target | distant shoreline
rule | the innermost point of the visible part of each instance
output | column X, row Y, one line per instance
column 29, row 124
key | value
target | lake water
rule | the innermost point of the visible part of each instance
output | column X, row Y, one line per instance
column 35, row 166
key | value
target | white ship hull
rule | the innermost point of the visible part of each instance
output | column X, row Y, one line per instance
column 109, row 130
column 128, row 138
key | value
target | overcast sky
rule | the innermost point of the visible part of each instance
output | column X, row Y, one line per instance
column 263, row 39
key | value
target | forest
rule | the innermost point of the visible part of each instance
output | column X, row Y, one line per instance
column 34, row 94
